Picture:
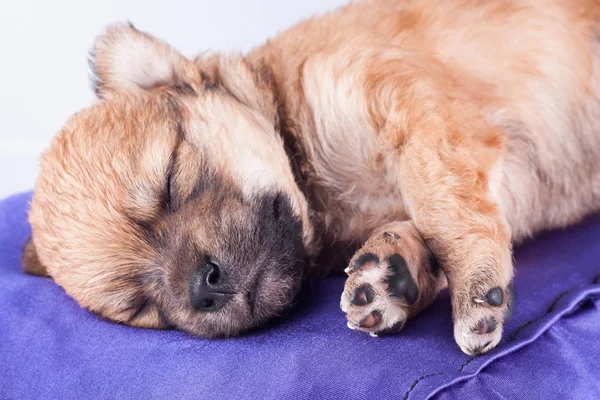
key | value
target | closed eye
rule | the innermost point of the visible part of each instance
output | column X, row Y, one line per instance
column 170, row 182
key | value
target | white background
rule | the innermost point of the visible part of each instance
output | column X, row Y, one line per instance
column 43, row 57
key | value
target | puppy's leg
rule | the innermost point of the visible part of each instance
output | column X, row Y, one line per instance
column 393, row 277
column 444, row 158
column 447, row 170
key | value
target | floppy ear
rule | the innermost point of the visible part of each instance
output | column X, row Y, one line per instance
column 125, row 59
column 31, row 262
column 249, row 82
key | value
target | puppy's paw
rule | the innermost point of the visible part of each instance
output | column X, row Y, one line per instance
column 478, row 320
column 392, row 278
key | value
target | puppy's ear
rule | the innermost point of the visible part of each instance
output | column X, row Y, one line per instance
column 249, row 82
column 125, row 59
column 31, row 262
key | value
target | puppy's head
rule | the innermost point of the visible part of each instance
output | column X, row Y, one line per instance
column 171, row 202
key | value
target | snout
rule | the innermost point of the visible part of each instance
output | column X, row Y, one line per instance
column 233, row 268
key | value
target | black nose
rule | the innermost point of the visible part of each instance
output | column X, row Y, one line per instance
column 209, row 291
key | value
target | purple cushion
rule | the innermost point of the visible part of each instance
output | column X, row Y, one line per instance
column 52, row 348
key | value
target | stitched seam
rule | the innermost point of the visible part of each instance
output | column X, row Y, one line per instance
column 595, row 281
column 412, row 386
column 550, row 309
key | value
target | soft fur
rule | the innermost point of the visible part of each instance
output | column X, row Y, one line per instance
column 420, row 134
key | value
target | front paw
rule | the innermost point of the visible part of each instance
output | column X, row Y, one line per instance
column 391, row 279
column 479, row 319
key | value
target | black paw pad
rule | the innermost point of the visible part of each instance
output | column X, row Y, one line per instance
column 486, row 325
column 495, row 297
column 397, row 327
column 371, row 320
column 510, row 303
column 365, row 258
column 400, row 282
column 363, row 295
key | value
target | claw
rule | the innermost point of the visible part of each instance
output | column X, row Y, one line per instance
column 342, row 307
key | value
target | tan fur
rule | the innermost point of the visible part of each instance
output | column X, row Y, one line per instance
column 476, row 120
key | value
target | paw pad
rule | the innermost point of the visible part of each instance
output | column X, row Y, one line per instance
column 366, row 260
column 495, row 297
column 400, row 282
column 363, row 295
column 486, row 325
column 371, row 320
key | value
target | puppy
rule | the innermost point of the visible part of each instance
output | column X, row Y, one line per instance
column 423, row 136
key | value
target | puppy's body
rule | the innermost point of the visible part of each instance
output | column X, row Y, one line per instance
column 426, row 132
column 530, row 68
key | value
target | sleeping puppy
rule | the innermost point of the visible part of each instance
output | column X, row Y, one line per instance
column 424, row 137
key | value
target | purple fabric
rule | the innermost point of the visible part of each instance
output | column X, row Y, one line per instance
column 51, row 348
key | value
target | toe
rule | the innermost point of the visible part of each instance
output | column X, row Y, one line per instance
column 480, row 349
column 478, row 337
column 475, row 344
column 343, row 307
column 395, row 328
